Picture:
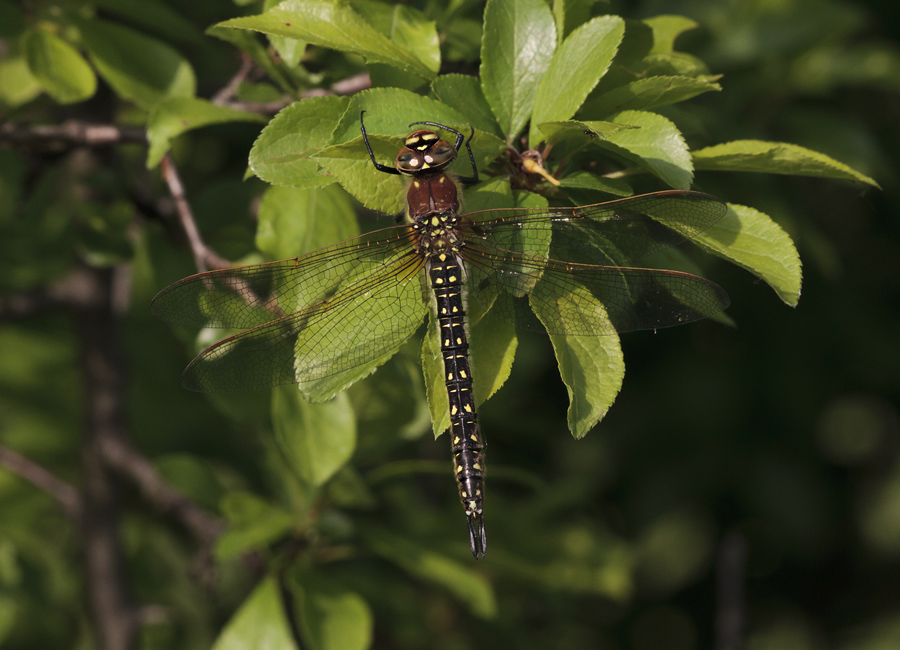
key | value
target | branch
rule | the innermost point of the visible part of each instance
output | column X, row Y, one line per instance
column 63, row 493
column 119, row 455
column 77, row 291
column 111, row 610
column 348, row 86
column 69, row 133
column 204, row 257
column 730, row 565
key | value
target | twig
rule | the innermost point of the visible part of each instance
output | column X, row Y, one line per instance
column 64, row 494
column 352, row 85
column 69, row 133
column 77, row 290
column 204, row 258
column 730, row 565
column 230, row 89
column 119, row 455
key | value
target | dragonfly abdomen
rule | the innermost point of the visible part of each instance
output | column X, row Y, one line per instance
column 467, row 443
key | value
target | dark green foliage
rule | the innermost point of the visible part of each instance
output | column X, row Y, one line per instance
column 340, row 522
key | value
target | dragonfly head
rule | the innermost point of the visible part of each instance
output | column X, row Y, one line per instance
column 424, row 152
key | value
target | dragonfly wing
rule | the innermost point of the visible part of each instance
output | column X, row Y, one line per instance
column 583, row 299
column 586, row 300
column 250, row 296
column 616, row 232
column 331, row 343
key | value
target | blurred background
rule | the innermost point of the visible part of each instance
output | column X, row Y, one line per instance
column 745, row 484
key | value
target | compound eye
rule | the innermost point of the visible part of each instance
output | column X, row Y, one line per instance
column 408, row 161
column 440, row 154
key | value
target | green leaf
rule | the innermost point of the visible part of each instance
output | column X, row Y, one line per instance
column 408, row 28
column 260, row 623
column 577, row 129
column 255, row 524
column 666, row 29
column 17, row 85
column 317, row 439
column 591, row 367
column 331, row 617
column 518, row 42
column 461, row 580
column 657, row 144
column 294, row 221
column 158, row 16
column 249, row 44
column 176, row 115
column 139, row 68
column 774, row 158
column 463, row 93
column 587, row 181
column 332, row 25
column 576, row 67
column 283, row 153
column 58, row 66
column 569, row 14
column 753, row 241
column 651, row 92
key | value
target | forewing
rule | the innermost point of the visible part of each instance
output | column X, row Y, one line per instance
column 250, row 296
column 585, row 283
column 616, row 232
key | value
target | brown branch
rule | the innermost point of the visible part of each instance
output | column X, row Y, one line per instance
column 352, row 85
column 122, row 457
column 204, row 257
column 730, row 565
column 63, row 493
column 230, row 89
column 69, row 133
column 112, row 613
column 348, row 86
column 77, row 290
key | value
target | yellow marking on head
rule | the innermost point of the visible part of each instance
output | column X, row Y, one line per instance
column 416, row 184
column 442, row 179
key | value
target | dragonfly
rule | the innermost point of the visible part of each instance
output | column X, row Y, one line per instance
column 569, row 271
